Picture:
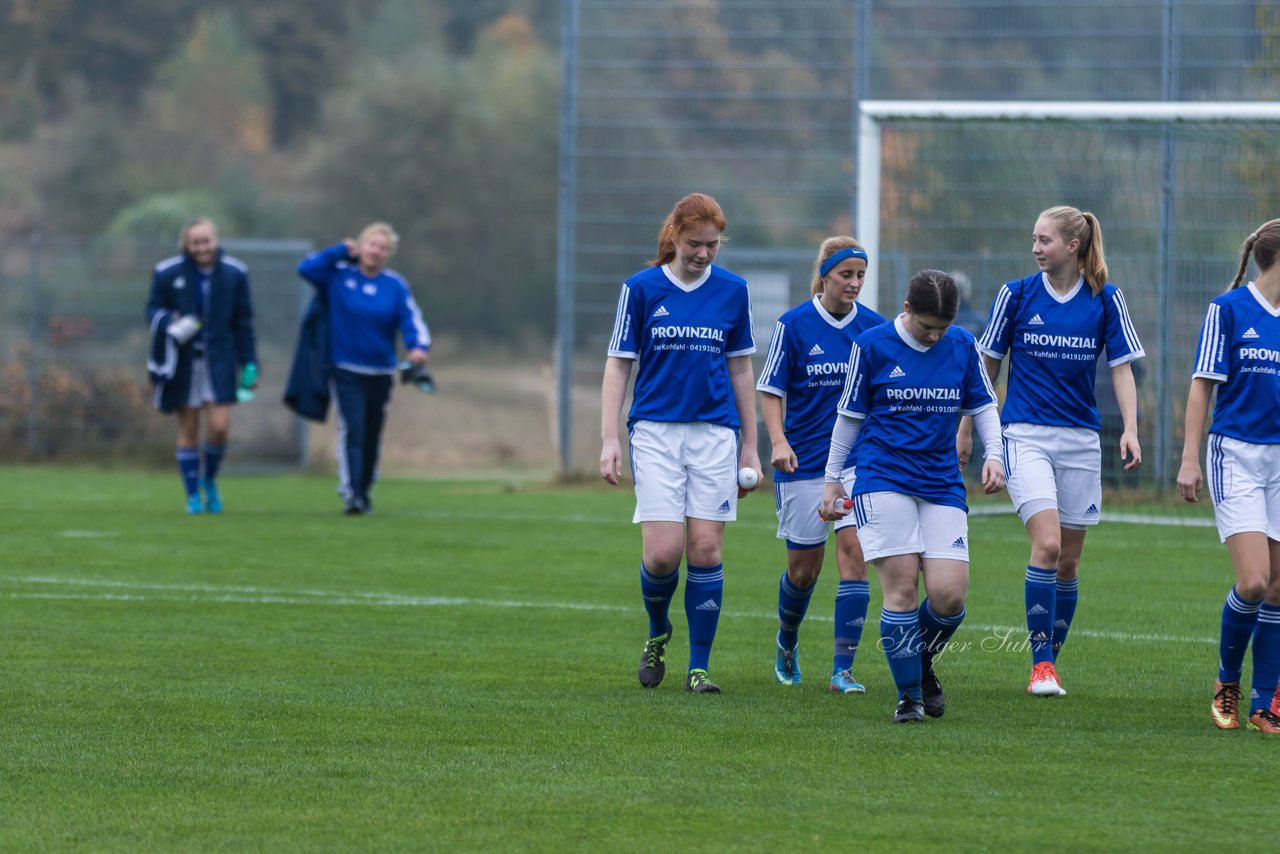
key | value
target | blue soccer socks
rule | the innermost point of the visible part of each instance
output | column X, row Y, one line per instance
column 703, row 592
column 1041, row 594
column 658, row 591
column 935, row 629
column 1064, row 611
column 852, row 599
column 1238, row 620
column 900, row 637
column 189, row 468
column 793, row 604
column 1266, row 658
column 212, row 461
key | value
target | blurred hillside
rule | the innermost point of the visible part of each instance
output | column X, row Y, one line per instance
column 298, row 119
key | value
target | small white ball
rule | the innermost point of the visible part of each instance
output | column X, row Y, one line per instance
column 748, row 478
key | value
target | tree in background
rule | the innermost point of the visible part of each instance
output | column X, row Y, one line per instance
column 456, row 152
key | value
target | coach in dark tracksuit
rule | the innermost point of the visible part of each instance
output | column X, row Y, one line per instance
column 368, row 304
column 202, row 347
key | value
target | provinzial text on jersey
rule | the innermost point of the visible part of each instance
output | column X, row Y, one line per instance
column 1075, row 342
column 688, row 332
column 922, row 393
column 1259, row 353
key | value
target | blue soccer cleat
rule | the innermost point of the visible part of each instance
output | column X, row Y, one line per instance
column 842, row 682
column 212, row 500
column 786, row 668
column 193, row 505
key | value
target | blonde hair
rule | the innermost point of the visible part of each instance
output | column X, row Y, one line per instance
column 1263, row 245
column 190, row 224
column 689, row 213
column 1075, row 224
column 829, row 247
column 384, row 228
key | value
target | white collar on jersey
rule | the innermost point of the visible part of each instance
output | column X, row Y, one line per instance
column 838, row 323
column 907, row 338
column 675, row 280
column 1070, row 295
column 1263, row 301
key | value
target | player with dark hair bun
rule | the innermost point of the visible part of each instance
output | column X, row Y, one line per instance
column 908, row 383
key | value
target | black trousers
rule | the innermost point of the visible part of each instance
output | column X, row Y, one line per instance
column 362, row 413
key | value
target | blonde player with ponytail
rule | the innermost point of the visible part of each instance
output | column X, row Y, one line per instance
column 1054, row 326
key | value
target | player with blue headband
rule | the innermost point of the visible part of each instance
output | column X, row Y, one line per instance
column 799, row 386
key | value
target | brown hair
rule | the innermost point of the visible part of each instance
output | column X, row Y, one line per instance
column 829, row 247
column 690, row 212
column 934, row 292
column 1263, row 245
column 190, row 224
column 1075, row 224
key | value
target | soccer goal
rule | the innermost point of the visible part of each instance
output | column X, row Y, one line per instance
column 1177, row 186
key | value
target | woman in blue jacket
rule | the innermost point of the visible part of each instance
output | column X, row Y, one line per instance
column 367, row 304
column 201, row 333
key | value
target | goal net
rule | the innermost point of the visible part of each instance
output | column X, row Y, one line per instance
column 1177, row 186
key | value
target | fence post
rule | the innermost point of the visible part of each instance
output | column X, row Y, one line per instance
column 35, row 351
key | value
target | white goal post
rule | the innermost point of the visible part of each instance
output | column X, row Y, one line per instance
column 873, row 113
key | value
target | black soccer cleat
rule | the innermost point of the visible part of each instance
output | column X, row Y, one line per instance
column 700, row 683
column 909, row 711
column 935, row 704
column 653, row 660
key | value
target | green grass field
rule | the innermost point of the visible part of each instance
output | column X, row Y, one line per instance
column 457, row 672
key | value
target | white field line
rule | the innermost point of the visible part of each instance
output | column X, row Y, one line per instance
column 124, row 591
column 1107, row 516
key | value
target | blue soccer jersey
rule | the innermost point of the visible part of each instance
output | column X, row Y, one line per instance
column 682, row 336
column 1240, row 349
column 912, row 397
column 807, row 361
column 365, row 312
column 1054, row 343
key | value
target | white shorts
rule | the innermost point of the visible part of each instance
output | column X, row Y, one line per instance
column 1244, row 482
column 201, row 391
column 684, row 470
column 797, row 502
column 891, row 523
column 1054, row 467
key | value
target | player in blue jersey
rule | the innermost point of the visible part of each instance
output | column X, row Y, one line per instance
column 1054, row 326
column 685, row 324
column 907, row 386
column 1239, row 355
column 202, row 352
column 799, row 385
column 367, row 305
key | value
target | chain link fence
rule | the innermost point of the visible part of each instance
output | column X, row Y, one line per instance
column 756, row 103
column 73, row 349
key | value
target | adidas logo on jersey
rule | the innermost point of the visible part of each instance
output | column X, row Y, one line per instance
column 897, row 372
column 662, row 312
column 709, row 605
column 818, row 351
column 1092, row 511
column 1037, row 610
column 1250, row 333
column 958, row 544
column 724, row 508
column 1035, row 321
